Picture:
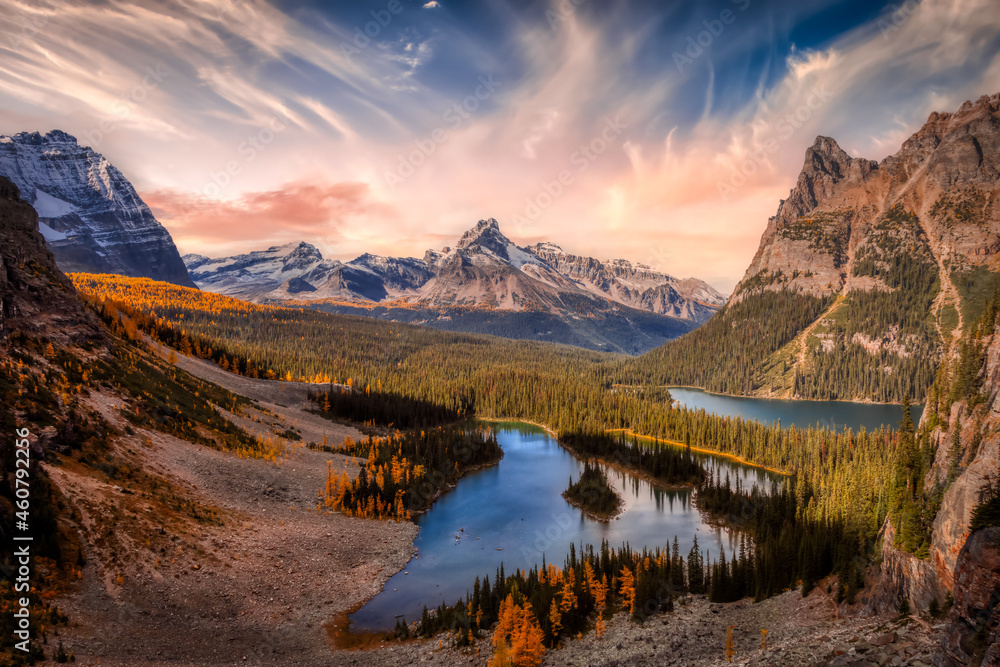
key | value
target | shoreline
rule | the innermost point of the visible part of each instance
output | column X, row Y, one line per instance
column 628, row 431
column 778, row 398
column 702, row 450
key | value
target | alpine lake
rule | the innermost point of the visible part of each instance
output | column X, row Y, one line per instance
column 514, row 513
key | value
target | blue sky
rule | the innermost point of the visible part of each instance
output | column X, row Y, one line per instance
column 661, row 132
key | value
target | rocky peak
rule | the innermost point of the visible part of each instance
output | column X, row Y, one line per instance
column 546, row 247
column 93, row 218
column 304, row 252
column 486, row 233
column 940, row 123
column 193, row 260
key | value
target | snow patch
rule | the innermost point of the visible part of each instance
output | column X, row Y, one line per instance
column 51, row 207
column 50, row 234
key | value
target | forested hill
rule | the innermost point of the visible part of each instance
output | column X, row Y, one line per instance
column 864, row 276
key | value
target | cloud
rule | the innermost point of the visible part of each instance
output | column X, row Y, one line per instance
column 296, row 211
column 712, row 148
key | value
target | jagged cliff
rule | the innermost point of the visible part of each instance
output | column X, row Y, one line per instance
column 960, row 444
column 91, row 216
column 36, row 299
column 867, row 272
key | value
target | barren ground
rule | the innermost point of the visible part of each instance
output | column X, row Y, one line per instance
column 265, row 586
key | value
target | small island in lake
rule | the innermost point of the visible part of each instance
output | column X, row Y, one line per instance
column 593, row 494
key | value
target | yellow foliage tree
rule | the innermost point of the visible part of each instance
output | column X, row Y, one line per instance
column 626, row 587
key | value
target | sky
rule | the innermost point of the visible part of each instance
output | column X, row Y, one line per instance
column 663, row 132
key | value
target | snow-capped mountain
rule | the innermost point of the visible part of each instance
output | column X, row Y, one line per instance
column 570, row 298
column 485, row 268
column 88, row 212
column 635, row 285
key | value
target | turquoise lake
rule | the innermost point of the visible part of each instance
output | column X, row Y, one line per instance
column 832, row 414
column 514, row 512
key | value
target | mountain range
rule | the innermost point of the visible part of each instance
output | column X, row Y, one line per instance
column 90, row 215
column 484, row 284
column 94, row 221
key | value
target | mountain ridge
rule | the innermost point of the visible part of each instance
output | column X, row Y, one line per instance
column 865, row 275
column 89, row 213
column 536, row 292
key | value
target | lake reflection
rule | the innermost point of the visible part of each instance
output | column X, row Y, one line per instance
column 514, row 512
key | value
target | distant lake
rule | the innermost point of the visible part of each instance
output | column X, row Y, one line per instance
column 516, row 506
column 833, row 414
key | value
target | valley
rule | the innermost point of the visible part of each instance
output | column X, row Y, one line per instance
column 261, row 479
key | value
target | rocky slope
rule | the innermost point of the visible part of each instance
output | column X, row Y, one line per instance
column 974, row 629
column 484, row 284
column 960, row 435
column 922, row 223
column 890, row 260
column 635, row 285
column 35, row 297
column 155, row 546
column 90, row 215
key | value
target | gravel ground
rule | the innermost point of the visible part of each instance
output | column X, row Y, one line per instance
column 268, row 585
column 261, row 588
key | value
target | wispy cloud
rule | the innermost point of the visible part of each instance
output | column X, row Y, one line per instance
column 356, row 98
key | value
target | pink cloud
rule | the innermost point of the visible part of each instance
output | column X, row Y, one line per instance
column 297, row 211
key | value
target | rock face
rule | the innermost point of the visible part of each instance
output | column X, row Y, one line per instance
column 90, row 215
column 35, row 297
column 638, row 286
column 918, row 232
column 965, row 440
column 953, row 159
column 973, row 635
column 485, row 283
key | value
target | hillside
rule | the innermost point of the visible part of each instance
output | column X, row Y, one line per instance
column 148, row 482
column 484, row 284
column 864, row 276
column 90, row 215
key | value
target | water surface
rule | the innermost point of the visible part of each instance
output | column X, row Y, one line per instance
column 832, row 414
column 514, row 512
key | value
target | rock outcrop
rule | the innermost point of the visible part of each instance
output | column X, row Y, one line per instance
column 92, row 218
column 973, row 634
column 947, row 174
column 36, row 299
